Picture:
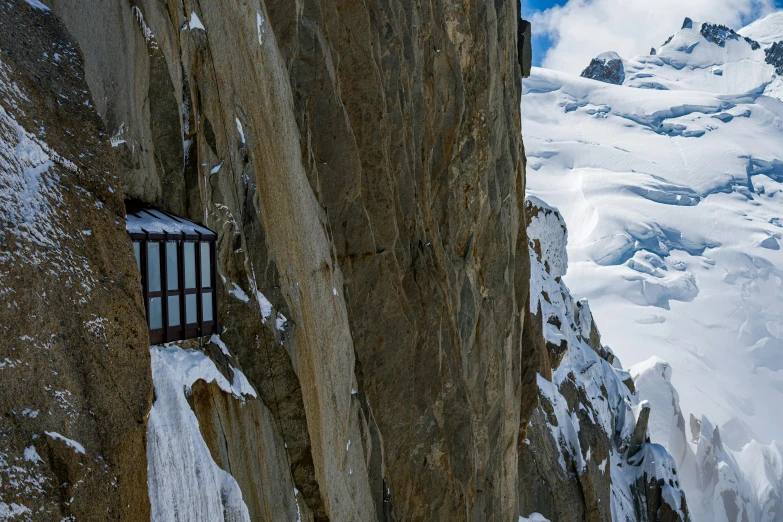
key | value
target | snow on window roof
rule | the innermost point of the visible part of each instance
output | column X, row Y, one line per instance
column 140, row 220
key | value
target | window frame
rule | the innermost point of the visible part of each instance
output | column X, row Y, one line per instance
column 184, row 330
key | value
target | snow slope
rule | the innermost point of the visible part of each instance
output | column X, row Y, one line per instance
column 766, row 30
column 671, row 186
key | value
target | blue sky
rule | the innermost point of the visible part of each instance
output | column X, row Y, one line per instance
column 540, row 43
column 719, row 11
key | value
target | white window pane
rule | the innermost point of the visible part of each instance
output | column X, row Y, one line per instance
column 206, row 306
column 153, row 266
column 190, row 265
column 206, row 279
column 190, row 309
column 172, row 273
column 173, row 310
column 156, row 313
column 137, row 251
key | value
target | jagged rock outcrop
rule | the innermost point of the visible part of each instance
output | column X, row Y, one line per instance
column 525, row 47
column 774, row 56
column 606, row 67
column 74, row 365
column 720, row 34
column 585, row 454
column 725, row 473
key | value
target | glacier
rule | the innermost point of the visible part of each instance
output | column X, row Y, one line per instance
column 671, row 185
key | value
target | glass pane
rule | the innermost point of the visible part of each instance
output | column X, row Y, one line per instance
column 190, row 309
column 173, row 310
column 190, row 264
column 206, row 278
column 172, row 274
column 206, row 306
column 137, row 251
column 153, row 266
column 156, row 313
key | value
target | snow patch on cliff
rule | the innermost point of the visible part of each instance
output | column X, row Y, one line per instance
column 195, row 22
column 28, row 190
column 184, row 482
column 534, row 517
column 75, row 446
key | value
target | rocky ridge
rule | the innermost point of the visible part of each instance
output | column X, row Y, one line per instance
column 586, row 454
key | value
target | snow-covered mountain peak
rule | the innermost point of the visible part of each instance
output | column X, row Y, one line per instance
column 705, row 57
column 767, row 30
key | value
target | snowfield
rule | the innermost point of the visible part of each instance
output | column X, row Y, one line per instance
column 671, row 186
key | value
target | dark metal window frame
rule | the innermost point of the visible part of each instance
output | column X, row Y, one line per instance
column 184, row 331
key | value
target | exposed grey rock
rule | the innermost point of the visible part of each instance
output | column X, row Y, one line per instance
column 774, row 56
column 639, row 436
column 687, row 23
column 695, row 429
column 606, row 67
column 720, row 34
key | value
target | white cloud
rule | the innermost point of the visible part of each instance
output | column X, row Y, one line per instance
column 582, row 29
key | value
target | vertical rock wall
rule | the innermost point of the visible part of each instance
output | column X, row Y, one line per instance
column 409, row 124
column 75, row 383
column 362, row 166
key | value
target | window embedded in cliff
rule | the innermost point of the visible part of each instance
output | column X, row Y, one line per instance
column 176, row 259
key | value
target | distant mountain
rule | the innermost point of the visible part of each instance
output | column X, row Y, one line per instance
column 668, row 171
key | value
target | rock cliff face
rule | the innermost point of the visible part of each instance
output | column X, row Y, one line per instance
column 363, row 167
column 74, row 366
